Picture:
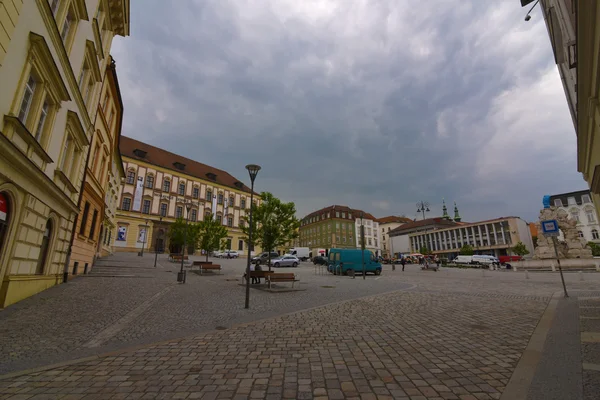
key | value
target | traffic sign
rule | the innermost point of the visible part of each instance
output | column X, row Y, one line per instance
column 550, row 228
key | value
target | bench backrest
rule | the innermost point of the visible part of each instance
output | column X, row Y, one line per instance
column 282, row 276
column 202, row 262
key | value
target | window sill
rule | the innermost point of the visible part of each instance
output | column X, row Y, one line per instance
column 22, row 131
column 61, row 175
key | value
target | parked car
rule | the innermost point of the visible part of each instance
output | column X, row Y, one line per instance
column 216, row 254
column 485, row 260
column 508, row 259
column 463, row 260
column 263, row 258
column 303, row 253
column 285, row 261
column 230, row 254
column 319, row 260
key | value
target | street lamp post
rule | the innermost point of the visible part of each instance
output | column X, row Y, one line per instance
column 423, row 207
column 156, row 245
column 253, row 171
column 362, row 244
column 145, row 235
column 181, row 275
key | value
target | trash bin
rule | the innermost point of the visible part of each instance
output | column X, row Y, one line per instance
column 181, row 277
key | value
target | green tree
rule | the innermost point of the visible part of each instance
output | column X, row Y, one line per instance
column 595, row 248
column 274, row 224
column 211, row 235
column 467, row 250
column 520, row 249
column 177, row 234
column 424, row 250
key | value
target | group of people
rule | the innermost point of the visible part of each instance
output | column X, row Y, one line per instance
column 255, row 279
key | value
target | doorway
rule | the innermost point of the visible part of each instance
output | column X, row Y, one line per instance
column 45, row 248
column 5, row 210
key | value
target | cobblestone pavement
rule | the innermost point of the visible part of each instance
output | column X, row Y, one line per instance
column 403, row 345
column 443, row 316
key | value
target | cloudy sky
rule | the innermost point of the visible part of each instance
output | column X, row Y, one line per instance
column 374, row 104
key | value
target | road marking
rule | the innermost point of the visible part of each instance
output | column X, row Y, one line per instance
column 128, row 318
column 377, row 278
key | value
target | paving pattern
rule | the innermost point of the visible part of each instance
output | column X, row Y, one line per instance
column 401, row 345
column 454, row 334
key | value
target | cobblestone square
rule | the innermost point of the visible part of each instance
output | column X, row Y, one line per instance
column 412, row 335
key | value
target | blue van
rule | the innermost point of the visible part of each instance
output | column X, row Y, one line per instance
column 352, row 259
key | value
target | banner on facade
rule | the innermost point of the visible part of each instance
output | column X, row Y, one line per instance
column 139, row 192
column 225, row 212
column 142, row 236
column 122, row 233
column 214, row 206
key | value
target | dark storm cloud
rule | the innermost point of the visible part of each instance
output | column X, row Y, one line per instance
column 372, row 104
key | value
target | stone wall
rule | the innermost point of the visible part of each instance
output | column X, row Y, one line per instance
column 572, row 247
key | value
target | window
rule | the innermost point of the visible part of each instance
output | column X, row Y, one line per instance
column 595, row 235
column 126, row 204
column 95, row 157
column 54, row 6
column 369, row 241
column 220, row 198
column 146, row 207
column 219, row 219
column 230, row 222
column 207, row 216
column 337, row 214
column 179, row 212
column 163, row 209
column 243, row 203
column 130, row 177
column 182, row 189
column 150, row 181
column 70, row 157
column 67, row 32
column 242, row 223
column 93, row 226
column 590, row 214
column 571, row 201
column 86, row 211
column 42, row 121
column 27, row 99
column 580, row 234
column 166, row 185
column 209, row 195
column 231, row 202
column 193, row 215
column 196, row 192
column 586, row 199
column 240, row 245
column 575, row 216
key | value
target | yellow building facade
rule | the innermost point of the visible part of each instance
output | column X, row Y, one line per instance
column 156, row 188
column 51, row 53
column 96, row 210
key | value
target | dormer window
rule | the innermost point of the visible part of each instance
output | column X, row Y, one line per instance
column 139, row 153
column 179, row 165
column 239, row 185
column 211, row 176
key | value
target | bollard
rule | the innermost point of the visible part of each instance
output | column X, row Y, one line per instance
column 580, row 275
column 526, row 274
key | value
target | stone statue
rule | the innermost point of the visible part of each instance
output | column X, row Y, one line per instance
column 572, row 247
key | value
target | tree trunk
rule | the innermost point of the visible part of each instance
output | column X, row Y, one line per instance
column 269, row 260
column 206, row 255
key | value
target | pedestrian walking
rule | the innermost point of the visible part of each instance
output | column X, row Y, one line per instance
column 254, row 278
column 403, row 262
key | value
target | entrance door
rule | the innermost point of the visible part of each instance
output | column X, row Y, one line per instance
column 45, row 249
column 4, row 220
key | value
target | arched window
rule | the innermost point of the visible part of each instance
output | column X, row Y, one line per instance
column 45, row 248
column 150, row 181
column 130, row 177
column 595, row 235
column 580, row 234
column 166, row 185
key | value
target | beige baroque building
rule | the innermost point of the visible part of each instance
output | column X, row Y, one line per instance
column 51, row 55
column 156, row 188
column 574, row 30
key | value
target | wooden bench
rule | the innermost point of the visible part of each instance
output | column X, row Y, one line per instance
column 204, row 266
column 258, row 274
column 281, row 277
column 177, row 257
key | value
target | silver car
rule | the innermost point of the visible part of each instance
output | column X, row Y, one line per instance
column 285, row 261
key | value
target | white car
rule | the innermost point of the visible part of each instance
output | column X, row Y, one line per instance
column 217, row 254
column 230, row 254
